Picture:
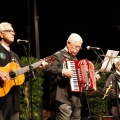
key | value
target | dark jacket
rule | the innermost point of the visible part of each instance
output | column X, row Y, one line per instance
column 12, row 99
column 60, row 85
column 112, row 92
column 112, row 86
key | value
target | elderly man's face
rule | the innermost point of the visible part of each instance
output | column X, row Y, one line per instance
column 74, row 48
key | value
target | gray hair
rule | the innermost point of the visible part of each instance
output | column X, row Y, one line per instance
column 3, row 24
column 117, row 61
column 74, row 37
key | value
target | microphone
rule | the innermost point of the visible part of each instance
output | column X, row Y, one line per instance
column 92, row 48
column 19, row 41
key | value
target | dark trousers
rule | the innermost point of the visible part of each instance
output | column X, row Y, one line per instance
column 9, row 115
column 114, row 111
column 66, row 112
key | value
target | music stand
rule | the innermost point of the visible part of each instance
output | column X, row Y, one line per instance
column 108, row 60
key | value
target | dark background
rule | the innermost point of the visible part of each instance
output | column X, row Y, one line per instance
column 97, row 23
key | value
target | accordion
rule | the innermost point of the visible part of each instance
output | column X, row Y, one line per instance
column 84, row 75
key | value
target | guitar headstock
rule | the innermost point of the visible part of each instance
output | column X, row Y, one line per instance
column 49, row 59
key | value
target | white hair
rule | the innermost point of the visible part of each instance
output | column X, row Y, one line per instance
column 3, row 24
column 117, row 61
column 74, row 37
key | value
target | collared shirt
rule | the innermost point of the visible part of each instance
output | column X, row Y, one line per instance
column 117, row 72
column 66, row 49
column 6, row 47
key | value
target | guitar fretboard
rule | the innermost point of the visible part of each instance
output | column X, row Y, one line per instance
column 27, row 68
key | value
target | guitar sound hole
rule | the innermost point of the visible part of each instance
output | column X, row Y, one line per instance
column 1, row 84
column 12, row 74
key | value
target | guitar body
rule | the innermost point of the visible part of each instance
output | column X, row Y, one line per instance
column 16, row 74
column 13, row 81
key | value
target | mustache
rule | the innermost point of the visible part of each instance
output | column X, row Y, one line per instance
column 75, row 51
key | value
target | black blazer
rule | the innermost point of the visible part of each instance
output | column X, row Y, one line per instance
column 60, row 86
column 12, row 99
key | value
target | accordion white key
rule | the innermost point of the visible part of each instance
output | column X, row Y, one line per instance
column 84, row 75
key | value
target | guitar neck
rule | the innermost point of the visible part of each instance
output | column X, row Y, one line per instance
column 27, row 68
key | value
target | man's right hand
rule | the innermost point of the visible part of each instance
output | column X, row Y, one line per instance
column 67, row 73
column 4, row 76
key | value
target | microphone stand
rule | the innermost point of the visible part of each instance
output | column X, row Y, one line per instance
column 87, row 91
column 30, row 79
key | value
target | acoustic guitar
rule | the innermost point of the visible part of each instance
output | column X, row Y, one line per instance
column 16, row 74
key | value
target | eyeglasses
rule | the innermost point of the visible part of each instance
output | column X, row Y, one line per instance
column 9, row 31
column 76, row 47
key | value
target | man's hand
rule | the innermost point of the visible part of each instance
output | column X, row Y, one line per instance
column 43, row 63
column 67, row 73
column 97, row 76
column 4, row 76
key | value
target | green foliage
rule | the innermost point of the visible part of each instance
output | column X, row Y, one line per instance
column 34, row 87
column 98, row 105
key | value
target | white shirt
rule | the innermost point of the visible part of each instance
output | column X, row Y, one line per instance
column 6, row 47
